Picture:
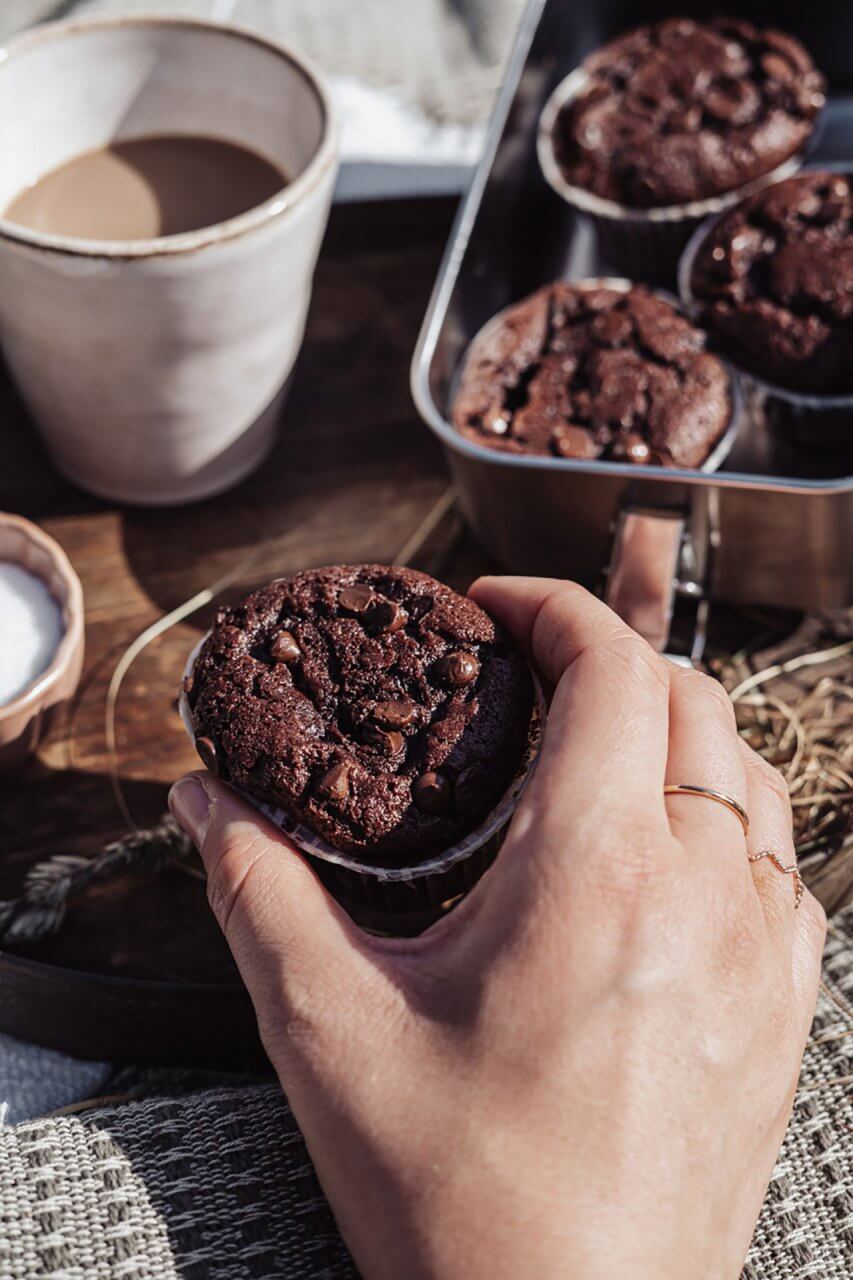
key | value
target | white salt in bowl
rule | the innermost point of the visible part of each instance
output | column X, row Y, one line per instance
column 25, row 718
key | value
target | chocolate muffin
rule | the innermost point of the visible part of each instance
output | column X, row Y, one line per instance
column 376, row 706
column 594, row 373
column 681, row 111
column 774, row 280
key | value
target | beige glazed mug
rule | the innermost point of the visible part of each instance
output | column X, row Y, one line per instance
column 155, row 369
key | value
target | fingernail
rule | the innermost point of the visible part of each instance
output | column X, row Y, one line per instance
column 189, row 805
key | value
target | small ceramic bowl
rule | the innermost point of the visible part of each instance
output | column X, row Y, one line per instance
column 24, row 720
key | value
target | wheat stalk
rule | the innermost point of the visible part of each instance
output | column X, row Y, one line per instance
column 50, row 886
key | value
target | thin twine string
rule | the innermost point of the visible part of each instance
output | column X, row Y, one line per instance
column 132, row 652
column 427, row 527
column 824, row 1084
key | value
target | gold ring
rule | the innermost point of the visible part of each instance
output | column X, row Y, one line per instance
column 679, row 789
column 792, row 870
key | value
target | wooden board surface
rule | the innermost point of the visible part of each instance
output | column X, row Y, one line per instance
column 353, row 474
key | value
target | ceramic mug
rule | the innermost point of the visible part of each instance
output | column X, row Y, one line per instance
column 155, row 368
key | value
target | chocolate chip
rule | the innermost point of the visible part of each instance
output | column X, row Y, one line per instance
column 733, row 101
column 433, row 793
column 598, row 299
column 688, row 120
column 791, row 49
column 495, row 421
column 187, row 684
column 777, row 67
column 206, row 748
column 612, row 327
column 284, row 648
column 458, row 668
column 356, row 599
column 395, row 713
column 637, row 448
column 631, row 448
column 389, row 741
column 388, row 616
column 334, row 785
column 571, row 441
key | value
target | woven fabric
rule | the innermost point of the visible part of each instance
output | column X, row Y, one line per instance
column 218, row 1185
column 806, row 1227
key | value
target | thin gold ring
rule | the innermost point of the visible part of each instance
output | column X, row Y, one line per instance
column 719, row 797
column 790, row 870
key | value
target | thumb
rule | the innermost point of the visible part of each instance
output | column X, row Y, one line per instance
column 296, row 949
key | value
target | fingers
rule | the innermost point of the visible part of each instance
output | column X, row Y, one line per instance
column 800, row 932
column 771, row 828
column 295, row 948
column 704, row 751
column 604, row 751
column 553, row 621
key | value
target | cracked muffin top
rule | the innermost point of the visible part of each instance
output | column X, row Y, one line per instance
column 373, row 704
column 682, row 111
column 774, row 281
column 594, row 373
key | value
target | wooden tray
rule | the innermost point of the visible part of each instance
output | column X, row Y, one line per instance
column 139, row 971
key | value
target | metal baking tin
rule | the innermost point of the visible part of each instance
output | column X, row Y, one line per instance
column 772, row 526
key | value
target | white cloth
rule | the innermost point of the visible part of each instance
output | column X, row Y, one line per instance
column 413, row 82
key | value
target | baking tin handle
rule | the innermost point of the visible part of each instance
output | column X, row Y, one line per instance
column 651, row 575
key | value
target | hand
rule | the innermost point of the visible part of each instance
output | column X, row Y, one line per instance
column 587, row 1068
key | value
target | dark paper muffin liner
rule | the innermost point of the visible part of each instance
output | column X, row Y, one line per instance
column 644, row 243
column 400, row 901
column 801, row 420
column 723, row 446
column 807, row 423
